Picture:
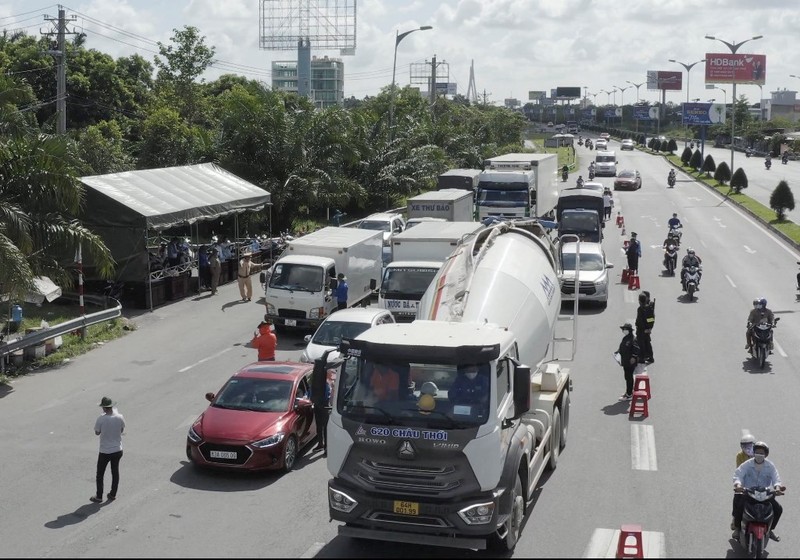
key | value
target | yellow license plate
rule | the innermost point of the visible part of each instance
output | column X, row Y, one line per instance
column 406, row 508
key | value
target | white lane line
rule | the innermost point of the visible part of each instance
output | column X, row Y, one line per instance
column 643, row 448
column 730, row 281
column 314, row 549
column 603, row 544
column 779, row 349
column 748, row 249
column 211, row 357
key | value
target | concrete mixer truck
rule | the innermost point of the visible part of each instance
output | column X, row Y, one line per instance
column 441, row 428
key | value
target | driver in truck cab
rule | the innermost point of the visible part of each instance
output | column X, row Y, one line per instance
column 384, row 383
column 470, row 386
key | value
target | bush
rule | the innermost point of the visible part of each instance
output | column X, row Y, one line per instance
column 723, row 173
column 651, row 143
column 697, row 160
column 781, row 200
column 739, row 180
column 672, row 146
column 686, row 156
column 709, row 165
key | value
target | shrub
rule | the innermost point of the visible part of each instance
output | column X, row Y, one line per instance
column 709, row 165
column 781, row 200
column 697, row 160
column 686, row 156
column 723, row 173
column 739, row 180
column 672, row 146
column 651, row 143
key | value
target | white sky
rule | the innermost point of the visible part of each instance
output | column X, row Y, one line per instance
column 516, row 45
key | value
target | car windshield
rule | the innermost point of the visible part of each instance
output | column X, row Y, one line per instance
column 260, row 395
column 626, row 174
column 589, row 262
column 301, row 277
column 414, row 394
column 331, row 332
column 408, row 281
column 374, row 225
column 605, row 159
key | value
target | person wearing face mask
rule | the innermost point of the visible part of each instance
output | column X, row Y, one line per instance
column 758, row 471
column 759, row 313
column 469, row 387
column 628, row 358
column 745, row 453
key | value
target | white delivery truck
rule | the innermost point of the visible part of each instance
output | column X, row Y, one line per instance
column 454, row 205
column 465, row 179
column 417, row 255
column 301, row 287
column 518, row 185
column 442, row 428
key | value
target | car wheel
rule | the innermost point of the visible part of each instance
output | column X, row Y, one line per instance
column 289, row 454
column 189, row 453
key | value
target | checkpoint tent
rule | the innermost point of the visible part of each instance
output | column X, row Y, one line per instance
column 122, row 207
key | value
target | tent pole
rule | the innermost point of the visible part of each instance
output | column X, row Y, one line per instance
column 149, row 275
column 236, row 226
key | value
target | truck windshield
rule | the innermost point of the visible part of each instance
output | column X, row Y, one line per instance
column 502, row 198
column 411, row 281
column 301, row 277
column 589, row 262
column 579, row 222
column 604, row 159
column 411, row 394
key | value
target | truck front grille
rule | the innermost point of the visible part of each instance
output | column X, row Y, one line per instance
column 419, row 479
column 292, row 313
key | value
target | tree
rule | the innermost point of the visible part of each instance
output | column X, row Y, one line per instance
column 697, row 160
column 723, row 173
column 739, row 181
column 781, row 200
column 180, row 64
column 100, row 146
column 709, row 165
column 651, row 143
column 672, row 146
column 686, row 156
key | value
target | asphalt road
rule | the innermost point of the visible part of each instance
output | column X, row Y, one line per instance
column 670, row 473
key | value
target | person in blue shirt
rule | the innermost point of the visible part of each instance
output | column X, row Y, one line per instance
column 470, row 387
column 341, row 291
column 16, row 318
column 757, row 471
column 633, row 252
column 674, row 221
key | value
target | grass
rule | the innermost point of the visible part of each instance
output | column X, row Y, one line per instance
column 564, row 153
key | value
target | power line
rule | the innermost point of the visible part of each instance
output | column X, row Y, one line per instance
column 31, row 12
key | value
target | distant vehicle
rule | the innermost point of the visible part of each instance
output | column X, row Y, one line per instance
column 388, row 223
column 605, row 163
column 459, row 179
column 601, row 144
column 572, row 127
column 628, row 179
column 627, row 144
column 605, row 136
column 261, row 419
column 346, row 323
column 593, row 274
column 593, row 186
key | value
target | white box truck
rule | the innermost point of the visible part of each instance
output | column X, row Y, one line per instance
column 454, row 205
column 530, row 189
column 300, row 289
column 417, row 255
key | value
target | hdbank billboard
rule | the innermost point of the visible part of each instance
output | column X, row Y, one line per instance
column 703, row 113
column 729, row 68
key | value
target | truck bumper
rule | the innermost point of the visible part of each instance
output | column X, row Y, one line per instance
column 303, row 324
column 412, row 538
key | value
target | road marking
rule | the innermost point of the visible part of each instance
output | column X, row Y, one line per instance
column 313, row 550
column 719, row 222
column 748, row 249
column 779, row 349
column 730, row 281
column 643, row 448
column 603, row 544
column 695, row 198
column 211, row 357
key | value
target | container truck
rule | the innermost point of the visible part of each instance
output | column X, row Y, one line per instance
column 580, row 212
column 300, row 288
column 441, row 428
column 454, row 205
column 518, row 185
column 466, row 179
column 417, row 255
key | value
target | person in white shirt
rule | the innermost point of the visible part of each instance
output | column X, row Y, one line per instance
column 758, row 471
column 109, row 426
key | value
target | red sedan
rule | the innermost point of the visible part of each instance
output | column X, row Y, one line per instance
column 629, row 180
column 260, row 420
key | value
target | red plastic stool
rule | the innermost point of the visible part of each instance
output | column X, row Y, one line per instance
column 641, row 382
column 637, row 548
column 633, row 281
column 620, row 220
column 625, row 274
column 639, row 405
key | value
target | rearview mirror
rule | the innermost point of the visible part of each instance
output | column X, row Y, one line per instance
column 210, row 397
column 307, row 338
column 373, row 284
column 522, row 390
column 609, row 265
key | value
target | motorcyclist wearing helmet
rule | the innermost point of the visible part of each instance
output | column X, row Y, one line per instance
column 690, row 259
column 580, row 181
column 674, row 222
column 759, row 313
column 745, row 453
column 758, row 471
column 671, row 177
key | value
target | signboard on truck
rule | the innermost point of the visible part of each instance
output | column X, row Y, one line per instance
column 664, row 79
column 703, row 113
column 730, row 68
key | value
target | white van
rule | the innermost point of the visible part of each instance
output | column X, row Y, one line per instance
column 605, row 163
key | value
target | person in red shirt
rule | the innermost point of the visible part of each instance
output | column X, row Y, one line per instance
column 265, row 341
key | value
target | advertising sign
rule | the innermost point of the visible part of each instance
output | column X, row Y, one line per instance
column 568, row 92
column 703, row 113
column 664, row 79
column 645, row 113
column 587, row 113
column 610, row 113
column 445, row 88
column 729, row 68
column 535, row 95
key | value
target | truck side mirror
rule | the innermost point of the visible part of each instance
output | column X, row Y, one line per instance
column 522, row 390
column 262, row 277
column 373, row 284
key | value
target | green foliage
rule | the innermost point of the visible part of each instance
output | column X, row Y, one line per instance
column 709, row 165
column 697, row 160
column 651, row 143
column 686, row 156
column 102, row 149
column 781, row 200
column 723, row 173
column 672, row 146
column 739, row 180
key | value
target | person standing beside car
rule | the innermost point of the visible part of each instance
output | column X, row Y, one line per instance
column 341, row 291
column 265, row 341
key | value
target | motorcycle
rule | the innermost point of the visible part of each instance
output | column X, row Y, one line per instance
column 748, row 152
column 675, row 233
column 767, row 163
column 591, row 173
column 785, row 158
column 757, row 520
column 762, row 340
column 671, row 259
column 671, row 180
column 564, row 176
column 580, row 141
column 579, row 183
column 691, row 280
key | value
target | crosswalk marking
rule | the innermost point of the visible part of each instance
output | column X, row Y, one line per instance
column 603, row 544
column 643, row 448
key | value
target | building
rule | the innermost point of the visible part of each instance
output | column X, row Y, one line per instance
column 784, row 104
column 327, row 80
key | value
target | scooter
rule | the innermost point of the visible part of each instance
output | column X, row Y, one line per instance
column 748, row 152
column 671, row 180
column 757, row 520
column 785, row 158
column 671, row 259
column 675, row 233
column 591, row 173
column 767, row 163
column 691, row 281
column 564, row 176
column 762, row 340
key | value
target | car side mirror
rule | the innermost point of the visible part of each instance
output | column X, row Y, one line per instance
column 609, row 265
column 210, row 397
column 307, row 338
column 302, row 402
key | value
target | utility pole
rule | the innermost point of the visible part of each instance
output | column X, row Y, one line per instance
column 432, row 91
column 484, row 96
column 60, row 54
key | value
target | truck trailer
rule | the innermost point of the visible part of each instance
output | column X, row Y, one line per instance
column 529, row 189
column 465, row 179
column 453, row 205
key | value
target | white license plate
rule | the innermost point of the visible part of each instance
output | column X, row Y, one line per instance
column 290, row 322
column 222, row 454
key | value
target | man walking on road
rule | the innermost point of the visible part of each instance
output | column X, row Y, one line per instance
column 109, row 426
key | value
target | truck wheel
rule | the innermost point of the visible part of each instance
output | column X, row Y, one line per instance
column 511, row 528
column 555, row 441
column 564, row 418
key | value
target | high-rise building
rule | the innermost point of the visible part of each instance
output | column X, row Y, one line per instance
column 327, row 80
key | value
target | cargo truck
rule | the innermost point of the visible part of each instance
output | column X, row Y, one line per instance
column 518, row 185
column 417, row 255
column 466, row 179
column 442, row 428
column 300, row 288
column 453, row 205
column 580, row 212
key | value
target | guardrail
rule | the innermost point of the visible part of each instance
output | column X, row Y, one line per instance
column 40, row 336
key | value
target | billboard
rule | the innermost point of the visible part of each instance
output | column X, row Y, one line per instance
column 645, row 113
column 664, row 79
column 729, row 68
column 703, row 113
column 446, row 88
column 568, row 92
column 536, row 95
column 610, row 113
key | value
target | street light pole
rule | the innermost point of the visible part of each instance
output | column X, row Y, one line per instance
column 637, row 86
column 398, row 37
column 622, row 103
column 733, row 47
column 688, row 69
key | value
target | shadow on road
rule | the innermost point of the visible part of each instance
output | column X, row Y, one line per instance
column 189, row 476
column 77, row 516
column 750, row 365
column 230, row 304
column 619, row 407
column 5, row 390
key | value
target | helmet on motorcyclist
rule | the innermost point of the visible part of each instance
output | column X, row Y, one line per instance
column 746, row 444
column 762, row 446
column 747, row 439
column 763, row 303
column 756, row 303
column 690, row 251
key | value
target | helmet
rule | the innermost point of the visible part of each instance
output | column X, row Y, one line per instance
column 761, row 445
column 763, row 302
column 690, row 251
column 747, row 439
column 756, row 302
column 674, row 214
